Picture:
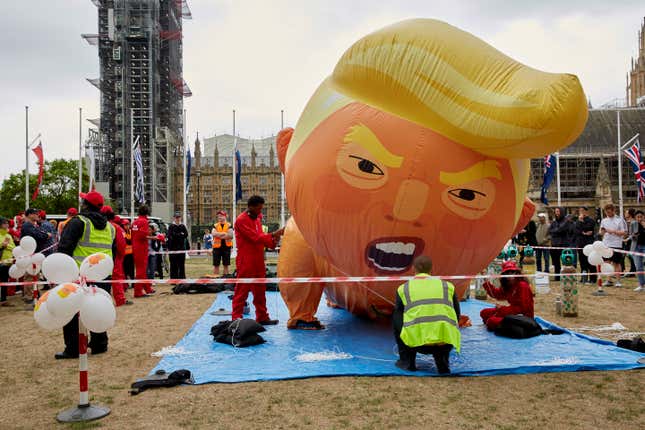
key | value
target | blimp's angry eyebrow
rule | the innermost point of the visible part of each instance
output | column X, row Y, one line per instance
column 481, row 170
column 363, row 136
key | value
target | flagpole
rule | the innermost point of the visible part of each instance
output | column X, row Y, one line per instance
column 234, row 211
column 185, row 146
column 26, row 157
column 282, row 178
column 620, row 166
column 557, row 166
column 80, row 154
column 132, row 164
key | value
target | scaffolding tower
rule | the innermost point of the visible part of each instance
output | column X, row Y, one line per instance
column 140, row 52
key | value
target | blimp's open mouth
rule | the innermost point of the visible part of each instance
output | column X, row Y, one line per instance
column 391, row 255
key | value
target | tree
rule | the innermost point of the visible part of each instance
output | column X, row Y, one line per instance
column 58, row 192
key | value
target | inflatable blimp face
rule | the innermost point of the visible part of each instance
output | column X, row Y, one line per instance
column 419, row 143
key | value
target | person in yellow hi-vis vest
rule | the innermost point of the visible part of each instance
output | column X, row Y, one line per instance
column 85, row 234
column 426, row 318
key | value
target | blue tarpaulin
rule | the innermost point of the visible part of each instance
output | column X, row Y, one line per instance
column 353, row 346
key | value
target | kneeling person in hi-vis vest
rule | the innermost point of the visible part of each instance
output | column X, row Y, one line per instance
column 426, row 318
column 86, row 234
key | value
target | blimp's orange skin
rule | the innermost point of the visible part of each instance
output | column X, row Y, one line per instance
column 370, row 191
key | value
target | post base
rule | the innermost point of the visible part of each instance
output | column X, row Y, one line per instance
column 83, row 413
column 599, row 293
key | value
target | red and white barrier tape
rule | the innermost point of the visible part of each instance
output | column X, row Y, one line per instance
column 322, row 280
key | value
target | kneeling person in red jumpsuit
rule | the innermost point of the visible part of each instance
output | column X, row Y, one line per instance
column 516, row 291
column 251, row 242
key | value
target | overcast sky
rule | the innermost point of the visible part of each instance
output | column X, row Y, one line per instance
column 261, row 56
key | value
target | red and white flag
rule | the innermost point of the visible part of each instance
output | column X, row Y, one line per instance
column 38, row 151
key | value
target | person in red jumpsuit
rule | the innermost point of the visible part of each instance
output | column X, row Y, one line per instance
column 251, row 242
column 118, row 274
column 516, row 291
column 140, row 235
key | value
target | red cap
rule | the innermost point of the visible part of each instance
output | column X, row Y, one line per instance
column 72, row 211
column 125, row 221
column 42, row 214
column 107, row 210
column 221, row 213
column 93, row 197
column 510, row 266
column 117, row 219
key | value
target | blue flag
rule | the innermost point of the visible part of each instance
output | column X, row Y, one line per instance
column 549, row 173
column 238, row 177
column 188, row 160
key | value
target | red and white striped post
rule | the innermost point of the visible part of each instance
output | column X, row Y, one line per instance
column 599, row 291
column 84, row 411
column 84, row 398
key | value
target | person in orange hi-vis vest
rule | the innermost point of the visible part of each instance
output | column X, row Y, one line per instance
column 71, row 213
column 222, row 243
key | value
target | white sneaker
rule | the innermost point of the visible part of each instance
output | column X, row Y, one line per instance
column 618, row 284
column 607, row 284
column 639, row 289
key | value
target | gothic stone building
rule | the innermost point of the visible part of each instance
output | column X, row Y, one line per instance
column 211, row 178
column 636, row 76
column 589, row 166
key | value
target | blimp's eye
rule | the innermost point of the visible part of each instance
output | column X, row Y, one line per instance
column 466, row 194
column 471, row 200
column 366, row 166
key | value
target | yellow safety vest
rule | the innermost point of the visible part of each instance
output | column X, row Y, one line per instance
column 429, row 317
column 217, row 243
column 93, row 240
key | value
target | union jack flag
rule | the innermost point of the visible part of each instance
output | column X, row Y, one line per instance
column 549, row 173
column 633, row 154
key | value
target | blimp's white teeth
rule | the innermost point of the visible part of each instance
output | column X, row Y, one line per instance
column 396, row 247
column 383, row 246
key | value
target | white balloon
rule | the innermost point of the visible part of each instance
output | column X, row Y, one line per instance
column 38, row 258
column 46, row 319
column 595, row 258
column 23, row 262
column 598, row 245
column 97, row 267
column 60, row 268
column 96, row 290
column 607, row 252
column 607, row 269
column 16, row 272
column 28, row 244
column 18, row 252
column 98, row 313
column 33, row 269
column 587, row 249
column 65, row 300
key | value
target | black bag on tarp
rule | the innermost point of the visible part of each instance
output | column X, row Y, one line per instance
column 636, row 344
column 519, row 327
column 239, row 333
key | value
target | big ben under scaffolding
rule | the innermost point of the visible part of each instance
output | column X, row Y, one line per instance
column 142, row 89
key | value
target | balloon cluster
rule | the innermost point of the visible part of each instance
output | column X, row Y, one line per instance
column 26, row 261
column 596, row 253
column 58, row 306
